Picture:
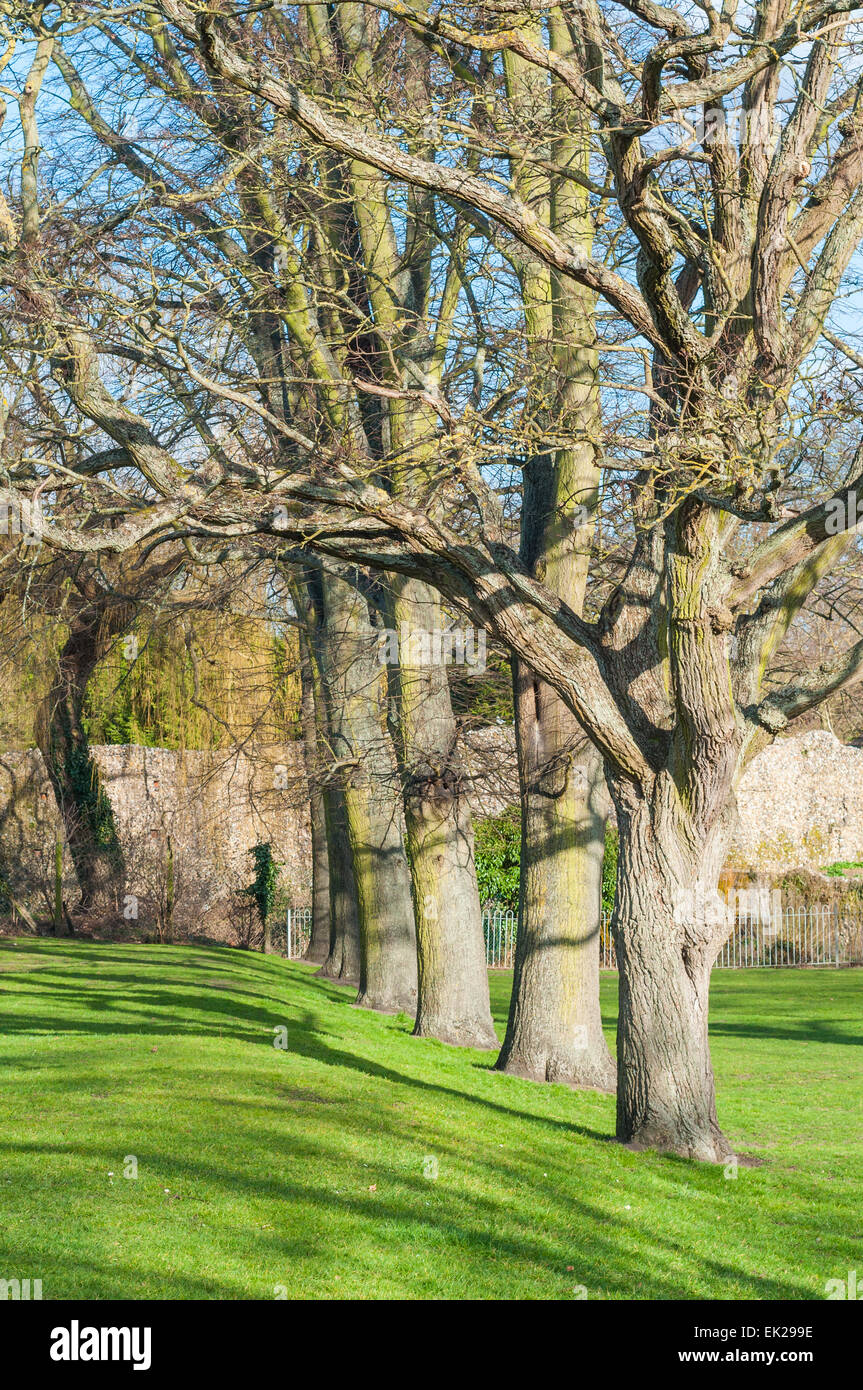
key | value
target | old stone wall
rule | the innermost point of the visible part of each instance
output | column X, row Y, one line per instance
column 202, row 811
column 800, row 800
column 801, row 805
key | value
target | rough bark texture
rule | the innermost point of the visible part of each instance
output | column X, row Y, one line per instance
column 675, row 825
column 453, row 999
column 668, row 925
column 319, row 940
column 336, row 922
column 363, row 753
column 554, row 1031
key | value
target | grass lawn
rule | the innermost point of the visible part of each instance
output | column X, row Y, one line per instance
column 305, row 1168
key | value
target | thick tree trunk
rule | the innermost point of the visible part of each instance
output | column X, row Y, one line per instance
column 554, row 1031
column 336, row 922
column 364, row 755
column 87, row 815
column 669, row 922
column 342, row 962
column 453, row 999
column 319, row 940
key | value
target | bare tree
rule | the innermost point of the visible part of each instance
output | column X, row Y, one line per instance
column 724, row 251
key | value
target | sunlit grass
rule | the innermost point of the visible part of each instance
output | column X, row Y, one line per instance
column 311, row 1170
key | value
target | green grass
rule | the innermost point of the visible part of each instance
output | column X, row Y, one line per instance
column 305, row 1168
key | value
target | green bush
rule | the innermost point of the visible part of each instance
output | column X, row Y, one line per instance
column 263, row 888
column 498, row 845
column 609, row 868
column 837, row 870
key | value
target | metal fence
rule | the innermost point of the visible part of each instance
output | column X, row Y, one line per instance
column 823, row 934
column 298, row 930
column 499, row 929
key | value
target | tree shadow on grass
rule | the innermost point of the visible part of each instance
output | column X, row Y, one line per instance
column 813, row 1030
column 175, row 1009
column 251, row 1019
column 176, row 955
column 612, row 1264
column 229, row 1018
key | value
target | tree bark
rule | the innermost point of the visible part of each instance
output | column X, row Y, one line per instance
column 87, row 815
column 319, row 940
column 369, row 782
column 668, row 925
column 343, row 958
column 453, row 999
column 340, row 927
column 554, row 1031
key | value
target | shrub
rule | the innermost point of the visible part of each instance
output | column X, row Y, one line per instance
column 609, row 867
column 498, row 844
column 263, row 889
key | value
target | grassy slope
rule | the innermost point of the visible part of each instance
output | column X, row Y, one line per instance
column 304, row 1168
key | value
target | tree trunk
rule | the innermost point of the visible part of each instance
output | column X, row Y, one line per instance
column 554, row 1031
column 453, row 999
column 343, row 957
column 668, row 924
column 319, row 940
column 364, row 757
column 87, row 814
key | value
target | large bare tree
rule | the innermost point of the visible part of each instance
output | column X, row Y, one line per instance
column 724, row 244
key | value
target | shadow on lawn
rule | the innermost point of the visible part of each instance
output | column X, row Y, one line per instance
column 180, row 956
column 171, row 1012
column 465, row 1223
column 236, row 967
column 467, row 1219
column 813, row 1030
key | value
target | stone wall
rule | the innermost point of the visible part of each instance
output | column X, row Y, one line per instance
column 800, row 800
column 28, row 829
column 211, row 807
column 801, row 805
